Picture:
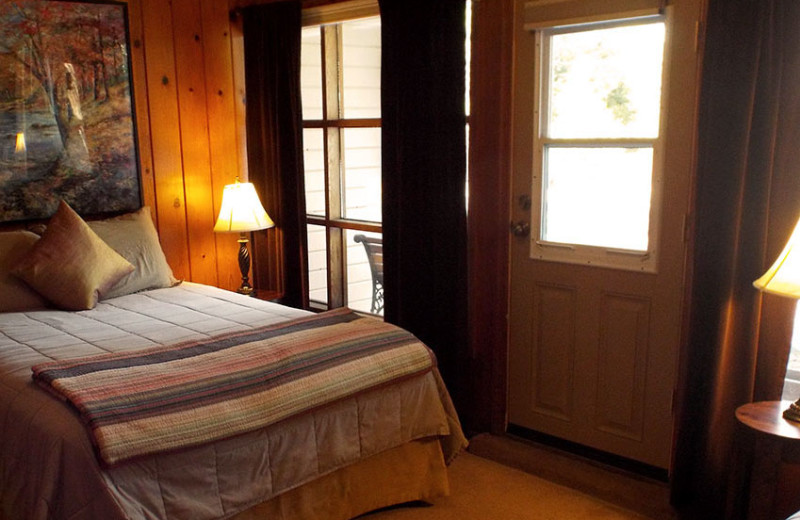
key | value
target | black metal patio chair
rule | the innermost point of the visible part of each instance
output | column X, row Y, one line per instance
column 374, row 248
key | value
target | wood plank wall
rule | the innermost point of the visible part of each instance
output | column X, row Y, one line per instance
column 191, row 129
column 189, row 94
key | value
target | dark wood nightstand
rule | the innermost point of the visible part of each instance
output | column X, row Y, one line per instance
column 774, row 440
column 265, row 294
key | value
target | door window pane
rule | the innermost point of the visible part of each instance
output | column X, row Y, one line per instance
column 598, row 196
column 598, row 132
column 606, row 82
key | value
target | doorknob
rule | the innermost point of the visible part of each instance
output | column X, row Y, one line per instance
column 520, row 228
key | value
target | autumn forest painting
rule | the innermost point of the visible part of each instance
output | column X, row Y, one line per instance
column 66, row 123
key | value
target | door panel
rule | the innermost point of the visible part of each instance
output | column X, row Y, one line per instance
column 622, row 365
column 593, row 350
column 552, row 361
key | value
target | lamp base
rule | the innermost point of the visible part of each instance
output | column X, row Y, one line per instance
column 247, row 291
column 244, row 266
column 793, row 412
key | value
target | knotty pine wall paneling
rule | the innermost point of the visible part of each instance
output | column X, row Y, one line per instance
column 190, row 105
column 165, row 135
column 194, row 139
column 240, row 92
column 188, row 130
column 139, row 77
column 227, row 157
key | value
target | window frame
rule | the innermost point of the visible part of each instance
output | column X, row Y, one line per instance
column 616, row 258
column 333, row 126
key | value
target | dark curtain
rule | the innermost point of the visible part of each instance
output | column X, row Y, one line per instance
column 275, row 147
column 746, row 203
column 424, row 175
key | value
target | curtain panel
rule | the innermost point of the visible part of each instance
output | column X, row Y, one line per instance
column 274, row 124
column 745, row 205
column 424, row 176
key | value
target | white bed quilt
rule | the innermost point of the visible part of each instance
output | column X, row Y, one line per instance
column 48, row 468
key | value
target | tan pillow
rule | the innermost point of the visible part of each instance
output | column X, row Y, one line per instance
column 70, row 265
column 135, row 238
column 15, row 295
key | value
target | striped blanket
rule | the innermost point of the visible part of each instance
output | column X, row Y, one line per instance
column 165, row 398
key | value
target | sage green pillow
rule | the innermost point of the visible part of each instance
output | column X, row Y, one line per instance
column 134, row 237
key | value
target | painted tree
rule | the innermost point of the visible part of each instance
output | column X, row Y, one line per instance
column 63, row 45
column 26, row 33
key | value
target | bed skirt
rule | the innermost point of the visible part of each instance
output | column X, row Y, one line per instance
column 414, row 471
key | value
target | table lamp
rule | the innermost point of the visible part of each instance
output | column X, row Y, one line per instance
column 242, row 212
column 783, row 279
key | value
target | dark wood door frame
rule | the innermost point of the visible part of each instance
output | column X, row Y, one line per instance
column 488, row 221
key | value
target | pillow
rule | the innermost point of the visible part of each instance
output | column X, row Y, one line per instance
column 135, row 238
column 14, row 294
column 70, row 265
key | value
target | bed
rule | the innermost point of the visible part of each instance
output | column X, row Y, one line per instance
column 336, row 453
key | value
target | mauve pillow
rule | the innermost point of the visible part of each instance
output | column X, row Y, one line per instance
column 15, row 295
column 135, row 238
column 70, row 265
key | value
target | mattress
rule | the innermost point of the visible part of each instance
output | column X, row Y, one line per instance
column 49, row 468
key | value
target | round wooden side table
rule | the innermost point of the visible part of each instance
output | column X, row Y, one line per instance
column 774, row 439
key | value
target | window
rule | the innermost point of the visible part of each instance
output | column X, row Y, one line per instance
column 341, row 98
column 340, row 88
column 597, row 144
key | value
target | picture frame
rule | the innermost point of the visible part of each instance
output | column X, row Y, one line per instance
column 67, row 125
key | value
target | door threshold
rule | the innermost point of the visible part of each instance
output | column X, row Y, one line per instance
column 592, row 454
column 631, row 491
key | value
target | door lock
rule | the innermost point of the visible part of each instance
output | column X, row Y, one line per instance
column 520, row 228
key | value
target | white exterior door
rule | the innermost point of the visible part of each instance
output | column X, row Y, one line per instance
column 604, row 121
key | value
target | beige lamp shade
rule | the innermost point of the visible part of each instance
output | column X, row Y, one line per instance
column 241, row 210
column 783, row 278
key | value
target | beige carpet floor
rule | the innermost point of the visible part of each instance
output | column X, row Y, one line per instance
column 630, row 491
column 481, row 489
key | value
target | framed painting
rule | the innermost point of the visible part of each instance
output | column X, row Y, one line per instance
column 67, row 129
